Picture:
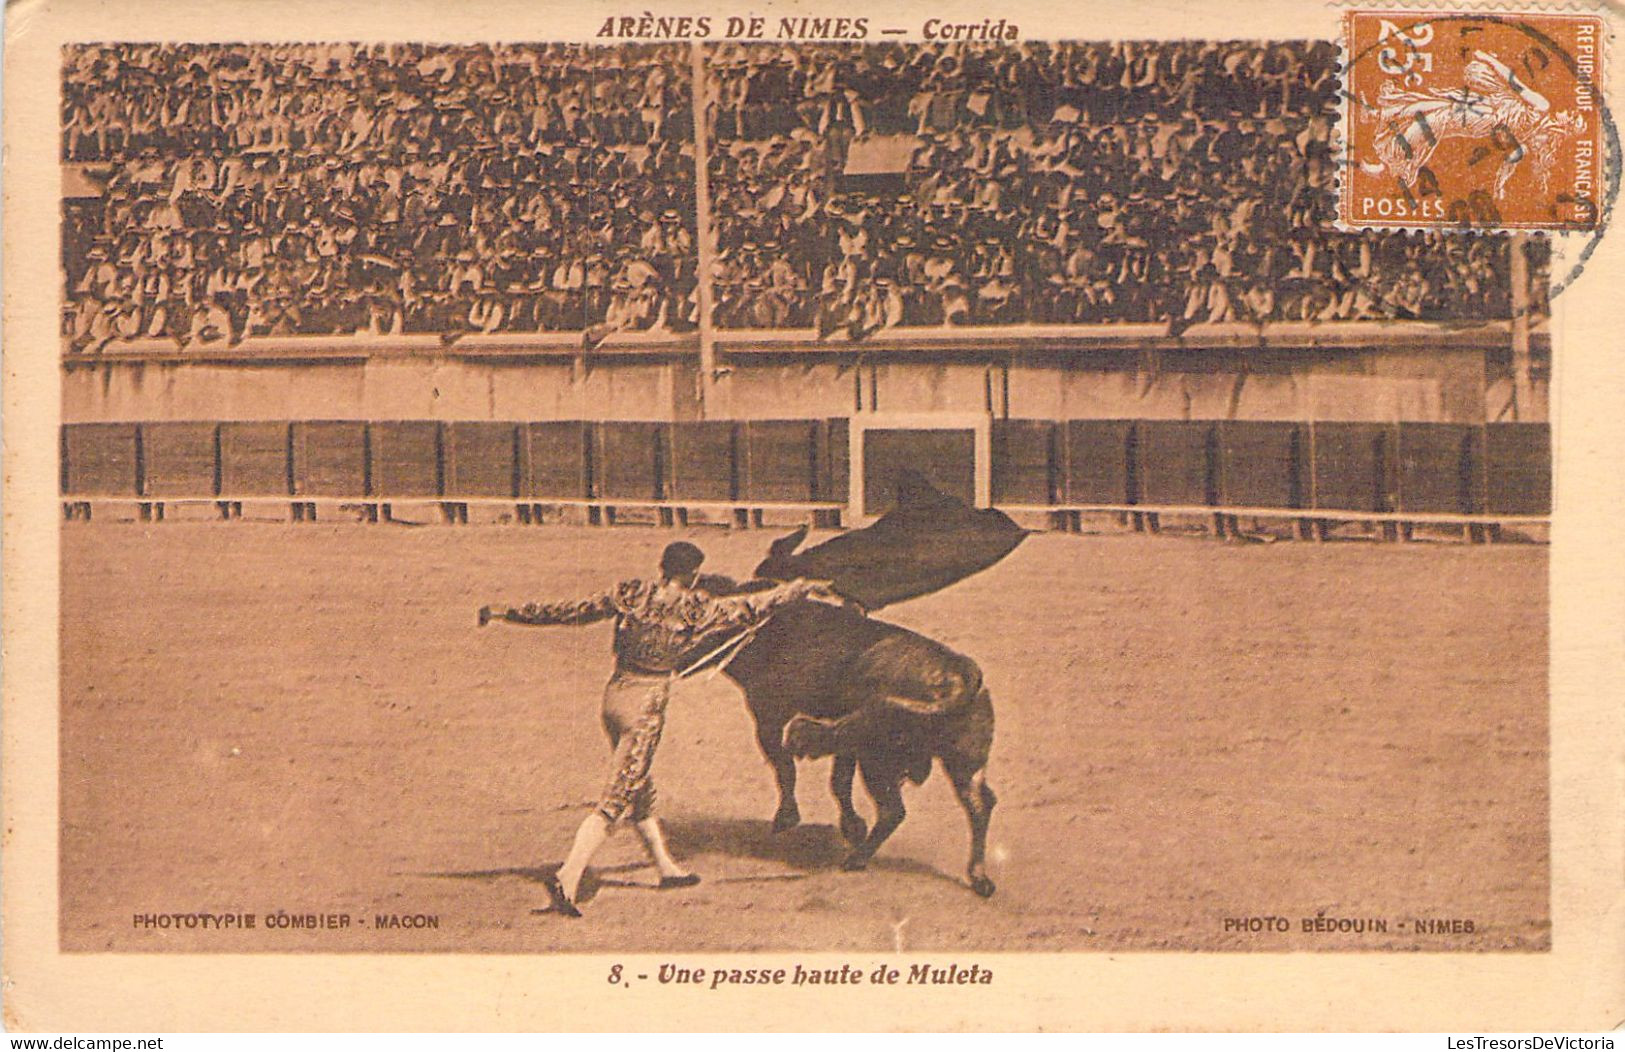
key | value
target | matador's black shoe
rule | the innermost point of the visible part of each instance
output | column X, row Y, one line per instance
column 810, row 737
column 561, row 902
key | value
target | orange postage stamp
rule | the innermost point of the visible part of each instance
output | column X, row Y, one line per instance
column 1474, row 120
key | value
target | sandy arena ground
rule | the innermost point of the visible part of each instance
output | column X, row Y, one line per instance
column 262, row 716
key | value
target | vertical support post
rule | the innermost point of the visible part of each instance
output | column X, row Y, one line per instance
column 1523, row 398
column 704, row 233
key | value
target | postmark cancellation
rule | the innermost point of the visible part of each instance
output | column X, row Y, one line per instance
column 1474, row 120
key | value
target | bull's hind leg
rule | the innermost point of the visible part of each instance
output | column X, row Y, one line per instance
column 770, row 736
column 853, row 827
column 970, row 783
column 885, row 785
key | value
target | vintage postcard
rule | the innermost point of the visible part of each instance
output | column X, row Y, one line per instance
column 812, row 517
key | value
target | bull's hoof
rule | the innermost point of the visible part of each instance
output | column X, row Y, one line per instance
column 982, row 886
column 855, row 862
column 854, row 829
column 786, row 819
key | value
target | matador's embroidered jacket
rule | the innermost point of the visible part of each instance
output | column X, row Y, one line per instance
column 660, row 633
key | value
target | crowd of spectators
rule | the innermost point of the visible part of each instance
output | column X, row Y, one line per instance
column 234, row 190
column 224, row 191
column 1175, row 183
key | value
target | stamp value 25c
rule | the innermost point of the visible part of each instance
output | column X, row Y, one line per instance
column 1480, row 121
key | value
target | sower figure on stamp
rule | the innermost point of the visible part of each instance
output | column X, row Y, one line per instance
column 663, row 629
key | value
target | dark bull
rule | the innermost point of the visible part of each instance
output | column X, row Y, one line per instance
column 927, row 702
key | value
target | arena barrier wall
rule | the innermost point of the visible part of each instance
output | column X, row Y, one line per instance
column 178, row 459
column 1518, row 469
column 703, row 462
column 329, row 458
column 1350, row 467
column 102, row 459
column 480, row 458
column 834, row 461
column 555, row 460
column 404, row 459
column 255, row 457
column 1177, row 462
column 780, row 460
column 629, row 460
column 1439, row 469
column 1362, row 469
column 1261, row 464
column 1025, row 462
column 1099, row 462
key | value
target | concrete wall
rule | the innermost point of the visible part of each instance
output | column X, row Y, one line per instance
column 1375, row 386
column 1400, row 384
column 382, row 388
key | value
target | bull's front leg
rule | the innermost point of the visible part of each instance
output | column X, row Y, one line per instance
column 770, row 736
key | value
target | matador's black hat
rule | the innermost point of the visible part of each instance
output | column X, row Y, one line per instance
column 679, row 558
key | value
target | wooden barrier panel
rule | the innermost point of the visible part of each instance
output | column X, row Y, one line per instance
column 1261, row 464
column 1177, row 461
column 179, row 459
column 1097, row 465
column 628, row 460
column 403, row 458
column 479, row 458
column 780, row 460
column 1438, row 468
column 254, row 459
column 555, row 460
column 1518, row 468
column 1393, row 469
column 330, row 458
column 702, row 461
column 834, row 460
column 1024, row 462
column 101, row 459
column 1351, row 466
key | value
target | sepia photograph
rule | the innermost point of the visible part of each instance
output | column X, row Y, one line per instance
column 835, row 490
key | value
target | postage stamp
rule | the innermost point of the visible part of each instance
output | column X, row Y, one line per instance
column 1474, row 120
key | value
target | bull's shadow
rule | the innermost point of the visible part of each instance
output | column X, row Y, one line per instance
column 806, row 849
